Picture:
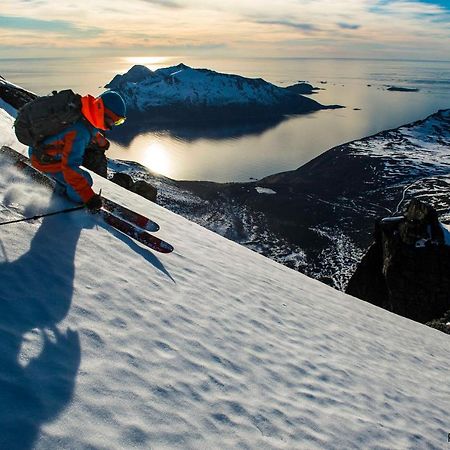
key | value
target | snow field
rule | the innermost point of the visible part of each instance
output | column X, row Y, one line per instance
column 107, row 345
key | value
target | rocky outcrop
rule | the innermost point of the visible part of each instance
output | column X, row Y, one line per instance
column 402, row 89
column 302, row 88
column 140, row 187
column 14, row 95
column 145, row 190
column 441, row 324
column 123, row 179
column 407, row 269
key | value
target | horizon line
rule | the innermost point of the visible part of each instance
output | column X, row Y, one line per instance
column 240, row 57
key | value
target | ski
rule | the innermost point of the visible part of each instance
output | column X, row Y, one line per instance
column 130, row 216
column 138, row 234
column 112, row 218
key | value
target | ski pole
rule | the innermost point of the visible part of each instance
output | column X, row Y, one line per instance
column 76, row 208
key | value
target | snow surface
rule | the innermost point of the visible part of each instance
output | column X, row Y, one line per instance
column 262, row 190
column 107, row 345
column 421, row 147
column 7, row 136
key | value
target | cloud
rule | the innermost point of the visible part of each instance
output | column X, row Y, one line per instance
column 443, row 4
column 348, row 26
column 276, row 28
column 58, row 26
column 166, row 3
column 290, row 24
column 412, row 8
column 422, row 17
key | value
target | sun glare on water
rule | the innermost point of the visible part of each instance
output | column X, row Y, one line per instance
column 152, row 62
column 157, row 159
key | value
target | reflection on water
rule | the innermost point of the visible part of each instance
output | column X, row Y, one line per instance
column 248, row 150
column 192, row 131
column 156, row 156
column 239, row 153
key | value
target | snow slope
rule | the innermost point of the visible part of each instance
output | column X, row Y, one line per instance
column 105, row 345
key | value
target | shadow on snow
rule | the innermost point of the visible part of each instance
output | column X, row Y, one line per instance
column 35, row 294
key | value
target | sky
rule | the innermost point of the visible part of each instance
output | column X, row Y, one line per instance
column 398, row 29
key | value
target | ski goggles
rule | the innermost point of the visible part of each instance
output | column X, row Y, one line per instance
column 112, row 119
column 119, row 121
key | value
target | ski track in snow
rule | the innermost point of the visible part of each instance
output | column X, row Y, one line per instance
column 107, row 345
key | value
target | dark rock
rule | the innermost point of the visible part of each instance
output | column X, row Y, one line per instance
column 421, row 222
column 140, row 187
column 368, row 282
column 124, row 180
column 302, row 88
column 145, row 190
column 407, row 268
column 14, row 95
column 442, row 324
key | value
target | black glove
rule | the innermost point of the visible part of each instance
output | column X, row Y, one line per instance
column 94, row 203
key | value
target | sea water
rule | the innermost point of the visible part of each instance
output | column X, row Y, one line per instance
column 245, row 152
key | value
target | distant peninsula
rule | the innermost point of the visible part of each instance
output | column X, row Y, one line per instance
column 402, row 89
column 182, row 93
column 303, row 88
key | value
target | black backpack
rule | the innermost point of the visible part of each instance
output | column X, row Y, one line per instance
column 46, row 116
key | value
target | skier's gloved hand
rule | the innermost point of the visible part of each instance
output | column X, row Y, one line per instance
column 103, row 144
column 94, row 203
column 99, row 143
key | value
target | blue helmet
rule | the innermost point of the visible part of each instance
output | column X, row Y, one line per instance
column 114, row 102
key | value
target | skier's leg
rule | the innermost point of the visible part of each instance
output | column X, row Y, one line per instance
column 67, row 189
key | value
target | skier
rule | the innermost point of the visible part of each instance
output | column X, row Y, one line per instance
column 61, row 155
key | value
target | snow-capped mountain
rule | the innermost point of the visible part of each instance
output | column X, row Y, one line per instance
column 105, row 345
column 176, row 91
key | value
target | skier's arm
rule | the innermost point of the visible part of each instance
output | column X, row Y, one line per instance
column 75, row 143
